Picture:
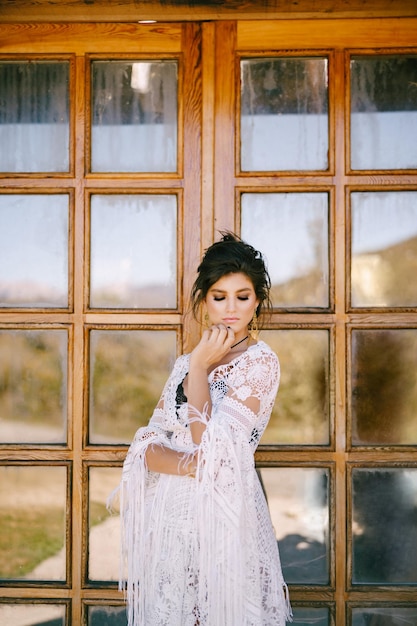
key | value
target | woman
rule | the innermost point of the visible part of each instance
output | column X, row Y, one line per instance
column 198, row 541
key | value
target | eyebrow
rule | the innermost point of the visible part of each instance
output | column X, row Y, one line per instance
column 238, row 291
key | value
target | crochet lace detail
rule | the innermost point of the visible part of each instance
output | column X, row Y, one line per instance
column 202, row 552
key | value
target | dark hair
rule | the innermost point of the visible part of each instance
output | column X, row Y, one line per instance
column 231, row 255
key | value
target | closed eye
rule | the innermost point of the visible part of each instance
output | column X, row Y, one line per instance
column 219, row 298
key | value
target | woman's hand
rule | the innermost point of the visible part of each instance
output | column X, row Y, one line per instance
column 164, row 460
column 214, row 344
column 190, row 466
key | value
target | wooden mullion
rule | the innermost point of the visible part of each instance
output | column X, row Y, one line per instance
column 78, row 369
column 189, row 243
column 224, row 138
column 208, row 133
column 339, row 270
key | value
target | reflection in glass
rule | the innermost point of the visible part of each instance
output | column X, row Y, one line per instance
column 32, row 519
column 384, row 529
column 33, row 391
column 34, row 116
column 106, row 616
column 384, row 248
column 384, row 387
column 311, row 616
column 32, row 614
column 301, row 414
column 134, row 116
column 284, row 119
column 384, row 112
column 33, row 250
column 133, row 251
column 128, row 369
column 104, row 529
column 384, row 616
column 298, row 501
column 291, row 230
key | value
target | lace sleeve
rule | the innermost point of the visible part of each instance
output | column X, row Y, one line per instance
column 158, row 430
column 164, row 418
column 239, row 558
column 136, row 483
column 244, row 394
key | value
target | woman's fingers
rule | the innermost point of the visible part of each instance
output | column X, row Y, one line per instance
column 221, row 335
column 221, row 329
column 214, row 344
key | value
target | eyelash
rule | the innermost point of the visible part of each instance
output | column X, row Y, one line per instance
column 218, row 299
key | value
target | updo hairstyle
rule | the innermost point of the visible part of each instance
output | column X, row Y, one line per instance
column 231, row 255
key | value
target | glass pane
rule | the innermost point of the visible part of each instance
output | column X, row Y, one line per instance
column 33, row 250
column 292, row 231
column 106, row 616
column 384, row 529
column 128, row 370
column 309, row 616
column 134, row 251
column 39, row 614
column 32, row 519
column 33, row 389
column 384, row 248
column 384, row 616
column 384, row 387
column 301, row 414
column 104, row 529
column 284, row 118
column 134, row 116
column 298, row 501
column 34, row 116
column 384, row 112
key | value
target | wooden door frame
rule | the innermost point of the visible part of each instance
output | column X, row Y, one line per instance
column 211, row 186
column 204, row 10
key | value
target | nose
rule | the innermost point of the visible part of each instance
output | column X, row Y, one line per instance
column 231, row 304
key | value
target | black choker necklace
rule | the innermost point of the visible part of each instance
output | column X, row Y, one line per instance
column 241, row 341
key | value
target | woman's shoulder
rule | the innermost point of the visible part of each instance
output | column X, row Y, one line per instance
column 178, row 370
column 262, row 354
column 182, row 362
column 260, row 368
column 260, row 358
column 262, row 349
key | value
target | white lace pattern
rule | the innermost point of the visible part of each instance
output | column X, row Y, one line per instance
column 202, row 552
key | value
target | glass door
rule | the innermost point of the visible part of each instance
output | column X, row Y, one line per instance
column 319, row 171
column 121, row 159
column 99, row 222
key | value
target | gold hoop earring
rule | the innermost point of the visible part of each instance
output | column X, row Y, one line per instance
column 253, row 327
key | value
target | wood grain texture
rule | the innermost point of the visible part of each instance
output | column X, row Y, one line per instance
column 191, row 158
column 191, row 10
column 326, row 33
column 224, row 137
column 208, row 129
column 93, row 38
column 208, row 185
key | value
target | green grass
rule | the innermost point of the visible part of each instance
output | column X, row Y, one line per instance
column 29, row 537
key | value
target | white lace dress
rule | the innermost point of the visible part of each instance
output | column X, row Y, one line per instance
column 202, row 551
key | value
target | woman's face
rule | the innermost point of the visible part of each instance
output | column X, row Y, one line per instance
column 231, row 301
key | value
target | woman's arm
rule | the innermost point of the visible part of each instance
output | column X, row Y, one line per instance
column 164, row 460
column 215, row 343
column 199, row 401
